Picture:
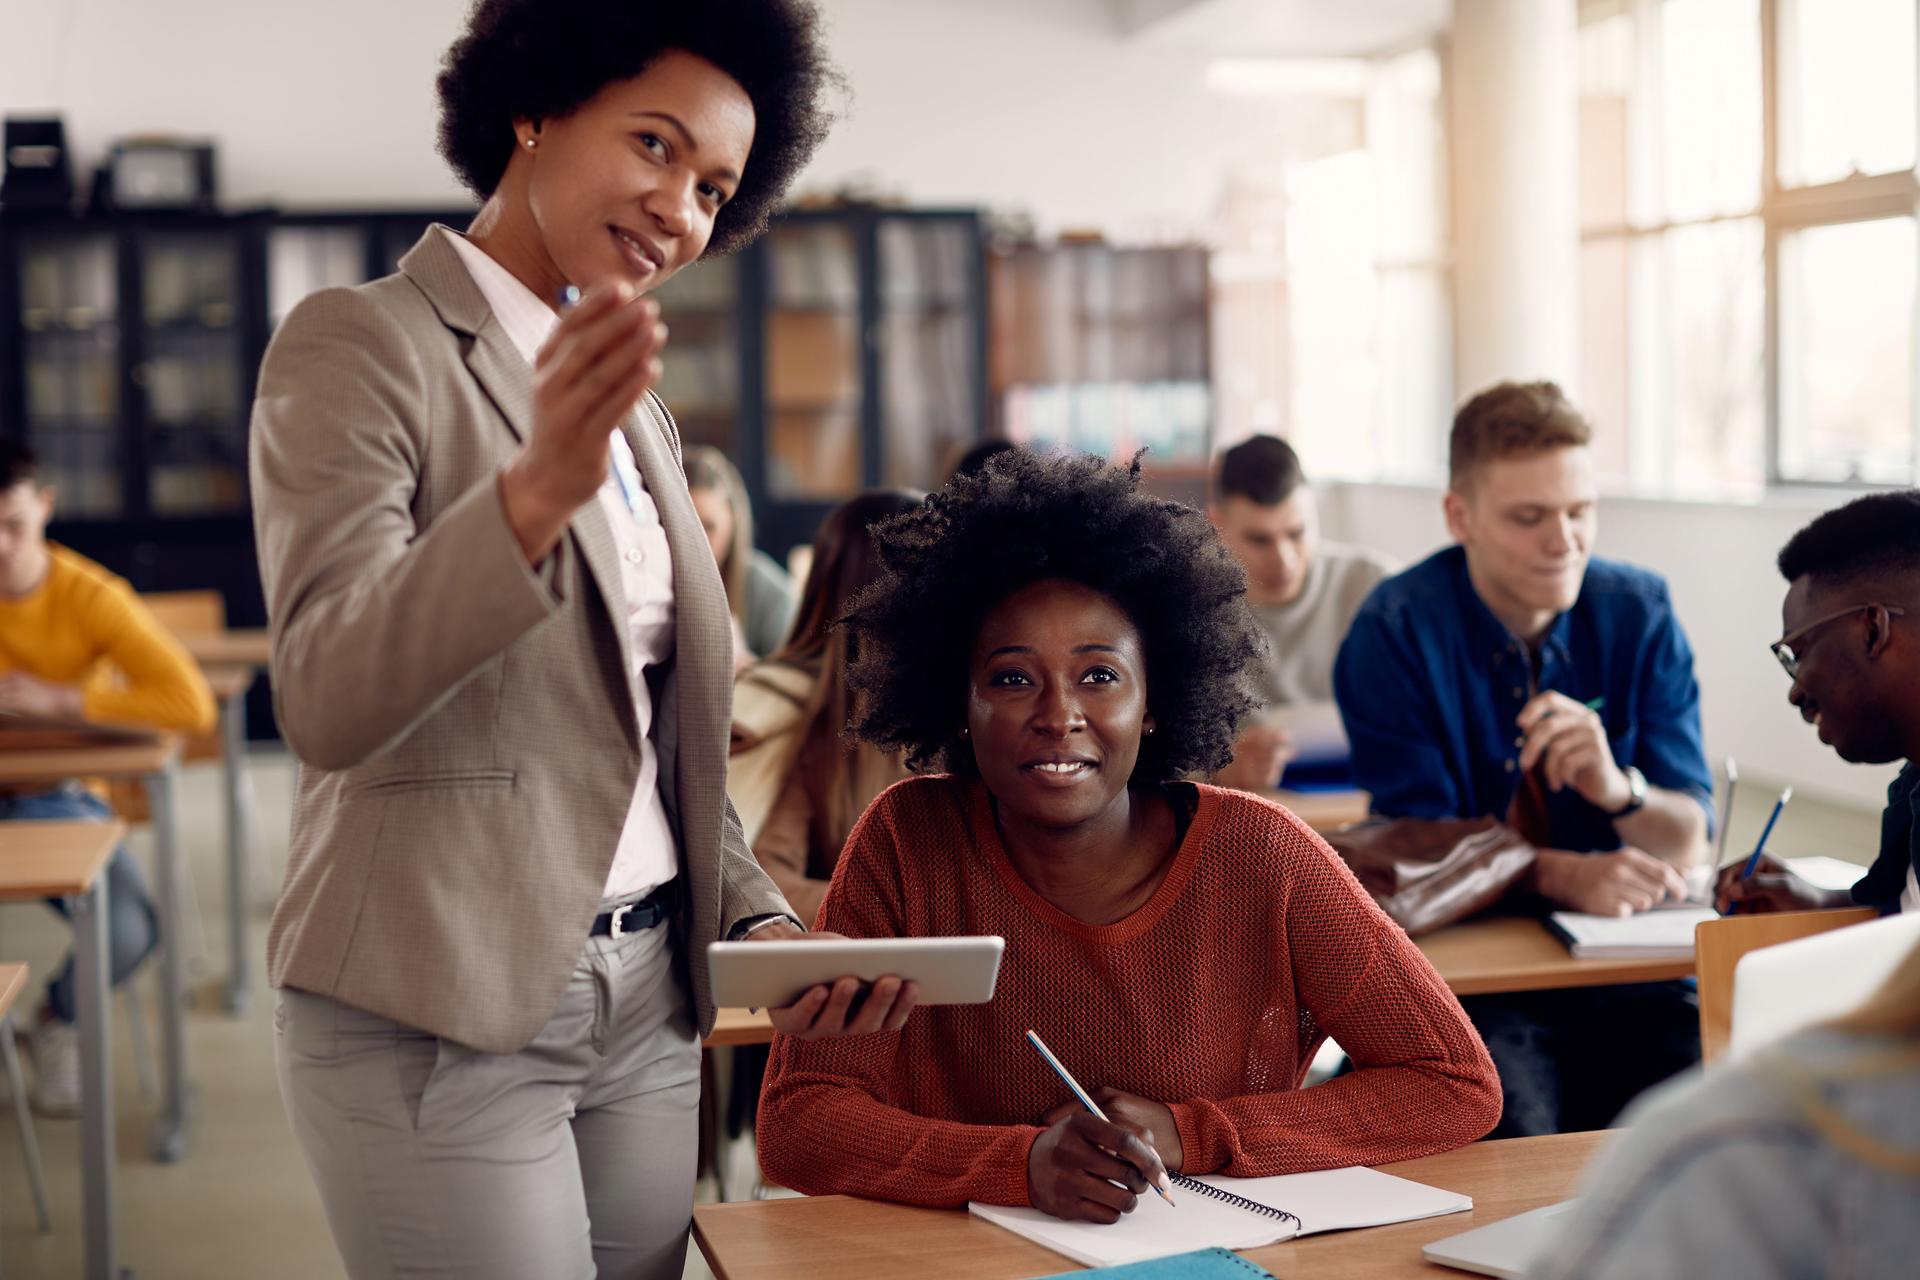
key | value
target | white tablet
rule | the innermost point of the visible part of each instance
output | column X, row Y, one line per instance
column 772, row 975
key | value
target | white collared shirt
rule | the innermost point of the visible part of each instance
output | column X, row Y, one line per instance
column 646, row 855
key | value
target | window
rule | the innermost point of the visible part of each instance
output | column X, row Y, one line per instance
column 1331, row 298
column 1747, row 313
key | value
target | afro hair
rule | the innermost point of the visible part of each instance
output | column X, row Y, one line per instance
column 1875, row 536
column 1027, row 517
column 533, row 59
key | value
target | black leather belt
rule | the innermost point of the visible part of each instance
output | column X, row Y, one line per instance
column 635, row 917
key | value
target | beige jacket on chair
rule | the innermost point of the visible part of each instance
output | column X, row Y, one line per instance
column 465, row 724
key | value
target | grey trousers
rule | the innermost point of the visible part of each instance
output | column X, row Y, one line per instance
column 572, row 1158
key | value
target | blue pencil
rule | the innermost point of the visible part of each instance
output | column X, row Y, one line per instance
column 1160, row 1184
column 1758, row 849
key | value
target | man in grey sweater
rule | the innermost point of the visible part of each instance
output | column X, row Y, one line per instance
column 1303, row 591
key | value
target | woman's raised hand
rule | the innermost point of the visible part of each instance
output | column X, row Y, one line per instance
column 602, row 355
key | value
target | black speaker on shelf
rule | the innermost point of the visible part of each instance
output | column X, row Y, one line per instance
column 37, row 173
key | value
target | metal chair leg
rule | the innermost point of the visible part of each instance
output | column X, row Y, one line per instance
column 137, row 1036
column 36, row 1179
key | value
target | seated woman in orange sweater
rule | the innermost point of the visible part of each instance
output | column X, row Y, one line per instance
column 1066, row 647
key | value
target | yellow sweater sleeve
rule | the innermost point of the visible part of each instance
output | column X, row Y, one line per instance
column 160, row 683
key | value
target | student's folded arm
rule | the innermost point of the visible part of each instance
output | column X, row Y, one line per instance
column 828, row 1124
column 161, row 686
column 1422, row 1082
column 375, row 620
column 1393, row 720
column 781, row 847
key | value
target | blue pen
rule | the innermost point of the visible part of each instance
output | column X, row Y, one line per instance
column 1160, row 1184
column 1754, row 861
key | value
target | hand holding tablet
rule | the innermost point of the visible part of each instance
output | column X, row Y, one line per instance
column 823, row 984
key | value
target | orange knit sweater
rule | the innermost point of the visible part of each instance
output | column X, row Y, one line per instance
column 1211, row 998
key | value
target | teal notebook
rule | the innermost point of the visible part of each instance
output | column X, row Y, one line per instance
column 1207, row 1264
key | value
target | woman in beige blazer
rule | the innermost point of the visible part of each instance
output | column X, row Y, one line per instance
column 501, row 653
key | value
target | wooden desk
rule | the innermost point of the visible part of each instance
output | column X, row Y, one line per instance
column 1476, row 958
column 230, row 682
column 65, row 860
column 154, row 762
column 1323, row 810
column 1518, row 953
column 247, row 647
column 842, row 1238
column 739, row 1026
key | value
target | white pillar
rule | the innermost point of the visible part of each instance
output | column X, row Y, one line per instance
column 1515, row 87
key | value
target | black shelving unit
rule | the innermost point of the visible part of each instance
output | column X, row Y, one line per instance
column 845, row 350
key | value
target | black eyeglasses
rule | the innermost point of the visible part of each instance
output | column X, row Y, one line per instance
column 1783, row 647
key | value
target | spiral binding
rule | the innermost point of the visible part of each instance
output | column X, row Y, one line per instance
column 1212, row 1192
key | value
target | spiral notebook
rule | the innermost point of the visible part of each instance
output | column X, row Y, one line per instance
column 1233, row 1213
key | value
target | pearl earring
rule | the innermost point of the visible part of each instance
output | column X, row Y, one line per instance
column 532, row 143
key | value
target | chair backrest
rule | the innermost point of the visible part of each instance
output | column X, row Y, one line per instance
column 1779, row 990
column 1719, row 945
column 187, row 613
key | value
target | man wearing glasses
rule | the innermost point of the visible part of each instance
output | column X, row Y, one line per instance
column 1851, row 650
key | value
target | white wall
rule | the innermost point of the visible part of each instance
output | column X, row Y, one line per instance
column 1718, row 560
column 1033, row 106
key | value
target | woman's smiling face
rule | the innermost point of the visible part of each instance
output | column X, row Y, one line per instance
column 1056, row 702
column 628, row 186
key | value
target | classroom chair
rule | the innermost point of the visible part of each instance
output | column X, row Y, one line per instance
column 1719, row 945
column 13, row 980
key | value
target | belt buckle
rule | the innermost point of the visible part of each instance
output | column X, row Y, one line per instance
column 618, row 927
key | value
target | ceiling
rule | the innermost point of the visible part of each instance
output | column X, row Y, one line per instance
column 1281, row 28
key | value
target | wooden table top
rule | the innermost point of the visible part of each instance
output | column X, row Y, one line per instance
column 13, row 980
column 1475, row 958
column 1519, row 953
column 740, row 1026
column 31, row 766
column 53, row 859
column 843, row 1238
column 229, row 681
column 1323, row 810
column 247, row 647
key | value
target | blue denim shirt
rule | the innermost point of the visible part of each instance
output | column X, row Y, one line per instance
column 1429, row 683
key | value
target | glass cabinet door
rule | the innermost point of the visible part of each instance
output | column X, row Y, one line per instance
column 700, row 368
column 306, row 259
column 929, row 338
column 70, row 358
column 813, row 375
column 191, row 372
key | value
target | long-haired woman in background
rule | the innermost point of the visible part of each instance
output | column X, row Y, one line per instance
column 797, row 779
column 759, row 591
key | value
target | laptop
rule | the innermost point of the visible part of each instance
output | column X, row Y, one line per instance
column 1506, row 1248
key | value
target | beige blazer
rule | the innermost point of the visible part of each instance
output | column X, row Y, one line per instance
column 465, row 725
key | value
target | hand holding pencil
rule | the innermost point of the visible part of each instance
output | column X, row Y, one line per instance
column 1087, row 1165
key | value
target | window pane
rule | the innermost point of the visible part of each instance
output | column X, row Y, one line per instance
column 1604, row 384
column 1671, row 344
column 1710, row 127
column 1846, row 352
column 1606, row 92
column 1847, row 81
column 1716, row 350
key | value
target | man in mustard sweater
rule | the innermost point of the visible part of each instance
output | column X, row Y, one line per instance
column 76, row 643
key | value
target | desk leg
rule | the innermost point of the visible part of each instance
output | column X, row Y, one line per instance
column 170, row 1131
column 96, row 1092
column 233, row 766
